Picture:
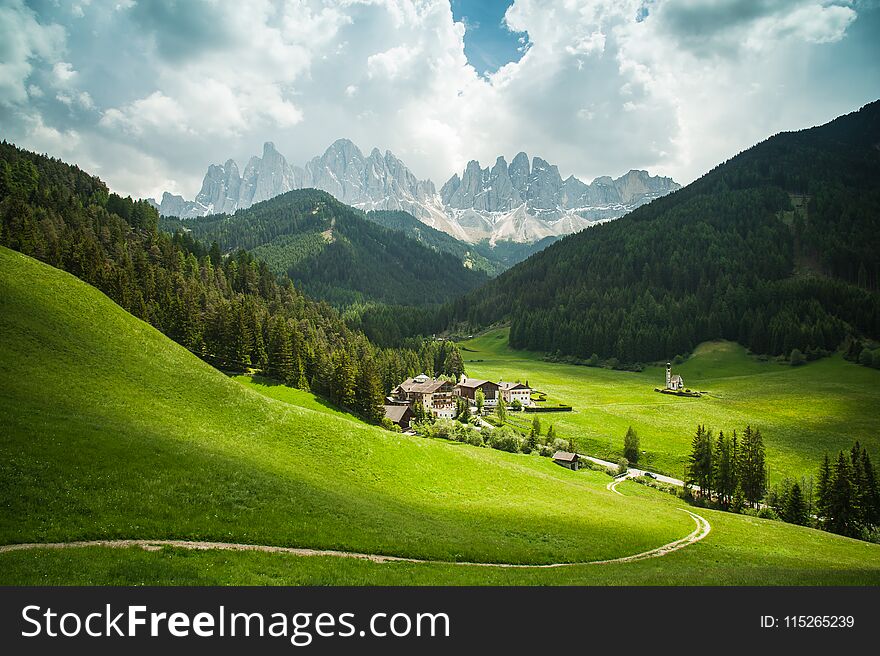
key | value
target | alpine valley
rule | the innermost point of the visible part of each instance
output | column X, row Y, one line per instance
column 518, row 202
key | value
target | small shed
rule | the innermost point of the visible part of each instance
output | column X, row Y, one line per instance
column 401, row 415
column 567, row 460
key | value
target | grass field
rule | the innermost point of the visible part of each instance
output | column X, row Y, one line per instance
column 802, row 411
column 110, row 430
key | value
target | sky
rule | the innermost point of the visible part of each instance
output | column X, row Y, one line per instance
column 147, row 94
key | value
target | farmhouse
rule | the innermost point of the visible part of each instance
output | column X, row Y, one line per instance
column 433, row 393
column 567, row 460
column 467, row 389
column 401, row 415
column 511, row 392
column 673, row 382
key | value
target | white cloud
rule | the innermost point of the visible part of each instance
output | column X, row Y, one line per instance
column 596, row 90
column 23, row 39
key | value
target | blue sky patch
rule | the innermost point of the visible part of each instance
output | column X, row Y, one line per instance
column 488, row 44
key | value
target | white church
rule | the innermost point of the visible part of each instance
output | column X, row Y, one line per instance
column 673, row 382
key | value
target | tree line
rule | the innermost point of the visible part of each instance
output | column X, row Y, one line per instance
column 731, row 470
column 231, row 310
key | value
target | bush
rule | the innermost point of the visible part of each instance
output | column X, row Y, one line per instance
column 546, row 450
column 505, row 439
column 875, row 359
column 516, row 405
column 622, row 466
column 442, row 428
column 796, row 358
column 558, row 445
column 767, row 513
column 866, row 358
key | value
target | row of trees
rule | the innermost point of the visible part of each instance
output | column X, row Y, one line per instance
column 847, row 494
column 230, row 310
column 728, row 469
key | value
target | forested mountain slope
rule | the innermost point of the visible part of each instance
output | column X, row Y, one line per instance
column 333, row 253
column 232, row 311
column 777, row 248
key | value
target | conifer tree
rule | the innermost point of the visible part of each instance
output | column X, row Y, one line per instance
column 823, row 491
column 631, row 446
column 841, row 518
column 724, row 470
column 700, row 461
column 535, row 430
column 752, row 466
column 795, row 507
column 501, row 412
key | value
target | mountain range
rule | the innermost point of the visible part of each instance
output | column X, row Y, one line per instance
column 520, row 202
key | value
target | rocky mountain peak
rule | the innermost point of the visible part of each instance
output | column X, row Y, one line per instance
column 523, row 201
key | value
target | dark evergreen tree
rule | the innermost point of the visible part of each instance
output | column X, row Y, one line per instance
column 700, row 462
column 841, row 518
column 631, row 446
column 752, row 466
column 795, row 506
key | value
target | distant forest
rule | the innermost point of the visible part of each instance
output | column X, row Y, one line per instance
column 778, row 249
column 333, row 253
column 233, row 311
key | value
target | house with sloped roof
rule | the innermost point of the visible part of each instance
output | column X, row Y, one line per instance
column 511, row 392
column 435, row 394
column 467, row 388
column 401, row 415
column 567, row 460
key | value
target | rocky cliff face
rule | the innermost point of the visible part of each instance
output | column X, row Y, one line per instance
column 520, row 202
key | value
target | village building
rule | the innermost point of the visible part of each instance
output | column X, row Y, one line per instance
column 567, row 460
column 402, row 415
column 673, row 382
column 467, row 389
column 433, row 393
column 511, row 392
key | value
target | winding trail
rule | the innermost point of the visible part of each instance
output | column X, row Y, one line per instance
column 702, row 530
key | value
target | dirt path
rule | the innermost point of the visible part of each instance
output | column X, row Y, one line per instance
column 701, row 531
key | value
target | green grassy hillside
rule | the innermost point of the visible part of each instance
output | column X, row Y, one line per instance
column 802, row 411
column 110, row 430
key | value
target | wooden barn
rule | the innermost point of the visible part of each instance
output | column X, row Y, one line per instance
column 567, row 460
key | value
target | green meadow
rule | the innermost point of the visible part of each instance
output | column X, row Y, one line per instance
column 112, row 431
column 803, row 412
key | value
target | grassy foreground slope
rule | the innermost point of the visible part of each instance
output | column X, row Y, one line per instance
column 802, row 411
column 112, row 430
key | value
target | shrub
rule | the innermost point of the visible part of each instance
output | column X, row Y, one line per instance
column 442, row 428
column 796, row 358
column 866, row 358
column 558, row 445
column 516, row 405
column 546, row 450
column 767, row 513
column 622, row 466
column 504, row 439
